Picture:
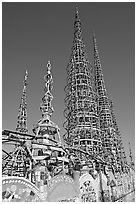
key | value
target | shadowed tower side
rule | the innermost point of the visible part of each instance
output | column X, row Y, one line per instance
column 113, row 150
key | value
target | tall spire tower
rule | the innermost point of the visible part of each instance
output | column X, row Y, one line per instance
column 22, row 116
column 82, row 122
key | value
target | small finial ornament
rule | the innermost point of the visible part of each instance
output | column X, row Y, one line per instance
column 48, row 76
column 49, row 65
column 46, row 107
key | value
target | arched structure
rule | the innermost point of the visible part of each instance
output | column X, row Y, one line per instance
column 62, row 188
column 16, row 189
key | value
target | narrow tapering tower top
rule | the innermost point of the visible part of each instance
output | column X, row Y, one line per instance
column 22, row 116
column 46, row 107
column 77, row 27
column 76, row 9
column 104, row 102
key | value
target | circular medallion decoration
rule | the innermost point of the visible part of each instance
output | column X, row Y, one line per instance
column 17, row 189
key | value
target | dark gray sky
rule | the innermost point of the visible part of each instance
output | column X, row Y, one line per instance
column 33, row 33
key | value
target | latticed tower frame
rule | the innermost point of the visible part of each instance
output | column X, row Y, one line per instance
column 82, row 122
column 18, row 163
column 22, row 116
column 113, row 150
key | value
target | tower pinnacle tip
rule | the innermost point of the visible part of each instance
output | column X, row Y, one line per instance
column 77, row 9
column 94, row 35
column 77, row 13
column 26, row 75
column 49, row 65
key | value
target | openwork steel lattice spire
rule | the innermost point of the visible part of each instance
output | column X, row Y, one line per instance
column 78, row 49
column 22, row 116
column 77, row 28
column 46, row 107
column 82, row 123
column 113, row 148
column 104, row 110
column 18, row 162
column 104, row 105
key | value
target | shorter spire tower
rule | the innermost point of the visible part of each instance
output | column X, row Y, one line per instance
column 19, row 162
column 103, row 100
column 22, row 116
column 45, row 127
column 47, row 136
column 114, row 153
column 104, row 110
